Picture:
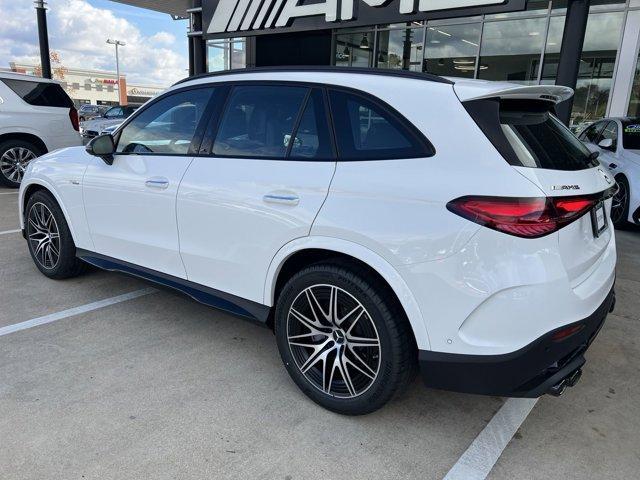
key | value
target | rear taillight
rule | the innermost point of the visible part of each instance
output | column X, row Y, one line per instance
column 522, row 217
column 73, row 115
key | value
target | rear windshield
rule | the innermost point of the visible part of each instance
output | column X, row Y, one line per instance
column 631, row 134
column 528, row 134
column 40, row 94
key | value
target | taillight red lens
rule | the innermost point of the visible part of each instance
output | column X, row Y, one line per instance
column 73, row 115
column 523, row 217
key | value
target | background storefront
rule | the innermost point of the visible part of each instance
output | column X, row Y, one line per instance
column 96, row 87
column 521, row 45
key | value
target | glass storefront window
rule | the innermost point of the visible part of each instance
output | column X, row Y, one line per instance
column 552, row 50
column 602, row 40
column 225, row 54
column 400, row 49
column 634, row 102
column 452, row 50
column 354, row 49
column 511, row 50
column 534, row 7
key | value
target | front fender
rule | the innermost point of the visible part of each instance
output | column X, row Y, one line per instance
column 384, row 268
column 24, row 187
column 61, row 174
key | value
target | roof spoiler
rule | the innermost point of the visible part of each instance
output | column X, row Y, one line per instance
column 468, row 90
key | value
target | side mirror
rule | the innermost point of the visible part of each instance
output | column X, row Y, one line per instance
column 102, row 146
column 606, row 143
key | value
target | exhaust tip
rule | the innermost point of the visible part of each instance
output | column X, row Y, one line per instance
column 569, row 381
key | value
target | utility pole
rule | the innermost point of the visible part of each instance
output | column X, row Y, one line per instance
column 43, row 36
column 121, row 98
column 117, row 43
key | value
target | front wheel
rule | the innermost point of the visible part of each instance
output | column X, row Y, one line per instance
column 343, row 340
column 620, row 204
column 50, row 243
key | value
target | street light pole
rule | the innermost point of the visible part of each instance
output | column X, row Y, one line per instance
column 117, row 43
column 43, row 36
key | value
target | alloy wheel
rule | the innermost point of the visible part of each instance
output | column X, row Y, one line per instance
column 14, row 161
column 333, row 341
column 43, row 235
column 619, row 203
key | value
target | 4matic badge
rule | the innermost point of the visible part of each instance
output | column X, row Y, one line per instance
column 565, row 187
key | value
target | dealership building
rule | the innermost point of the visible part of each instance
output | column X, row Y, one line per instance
column 590, row 45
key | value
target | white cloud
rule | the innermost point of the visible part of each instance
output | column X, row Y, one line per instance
column 163, row 38
column 78, row 32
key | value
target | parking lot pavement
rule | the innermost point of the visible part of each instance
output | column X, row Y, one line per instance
column 8, row 212
column 162, row 387
column 593, row 431
column 29, row 295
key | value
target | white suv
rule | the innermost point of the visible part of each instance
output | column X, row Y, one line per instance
column 377, row 221
column 36, row 117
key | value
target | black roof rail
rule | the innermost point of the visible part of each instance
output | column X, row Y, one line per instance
column 328, row 69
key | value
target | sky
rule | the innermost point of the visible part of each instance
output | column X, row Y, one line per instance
column 156, row 45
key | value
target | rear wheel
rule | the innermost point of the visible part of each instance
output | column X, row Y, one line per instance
column 50, row 243
column 620, row 205
column 343, row 340
column 15, row 155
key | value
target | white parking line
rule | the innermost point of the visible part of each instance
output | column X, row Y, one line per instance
column 484, row 452
column 10, row 231
column 9, row 193
column 75, row 311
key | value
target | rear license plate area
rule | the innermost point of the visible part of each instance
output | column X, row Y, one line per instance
column 599, row 219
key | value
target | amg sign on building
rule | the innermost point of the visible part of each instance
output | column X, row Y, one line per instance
column 229, row 17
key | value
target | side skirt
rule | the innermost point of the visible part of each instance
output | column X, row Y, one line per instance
column 214, row 298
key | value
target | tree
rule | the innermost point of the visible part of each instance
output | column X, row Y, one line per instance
column 58, row 70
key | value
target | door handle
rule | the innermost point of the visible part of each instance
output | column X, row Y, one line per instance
column 282, row 198
column 613, row 166
column 157, row 182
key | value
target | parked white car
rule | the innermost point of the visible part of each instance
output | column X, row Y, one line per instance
column 617, row 140
column 378, row 221
column 36, row 117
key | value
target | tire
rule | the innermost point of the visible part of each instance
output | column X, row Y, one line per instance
column 47, row 234
column 620, row 207
column 14, row 157
column 347, row 343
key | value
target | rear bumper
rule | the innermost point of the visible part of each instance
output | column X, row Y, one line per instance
column 529, row 372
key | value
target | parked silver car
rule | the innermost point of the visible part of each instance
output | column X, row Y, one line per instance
column 113, row 116
column 89, row 112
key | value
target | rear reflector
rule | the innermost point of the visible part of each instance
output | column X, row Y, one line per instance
column 565, row 333
column 523, row 217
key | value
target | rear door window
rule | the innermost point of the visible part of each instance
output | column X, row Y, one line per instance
column 366, row 130
column 115, row 112
column 259, row 120
column 40, row 94
column 312, row 139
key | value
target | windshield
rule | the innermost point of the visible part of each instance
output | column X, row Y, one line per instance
column 631, row 134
